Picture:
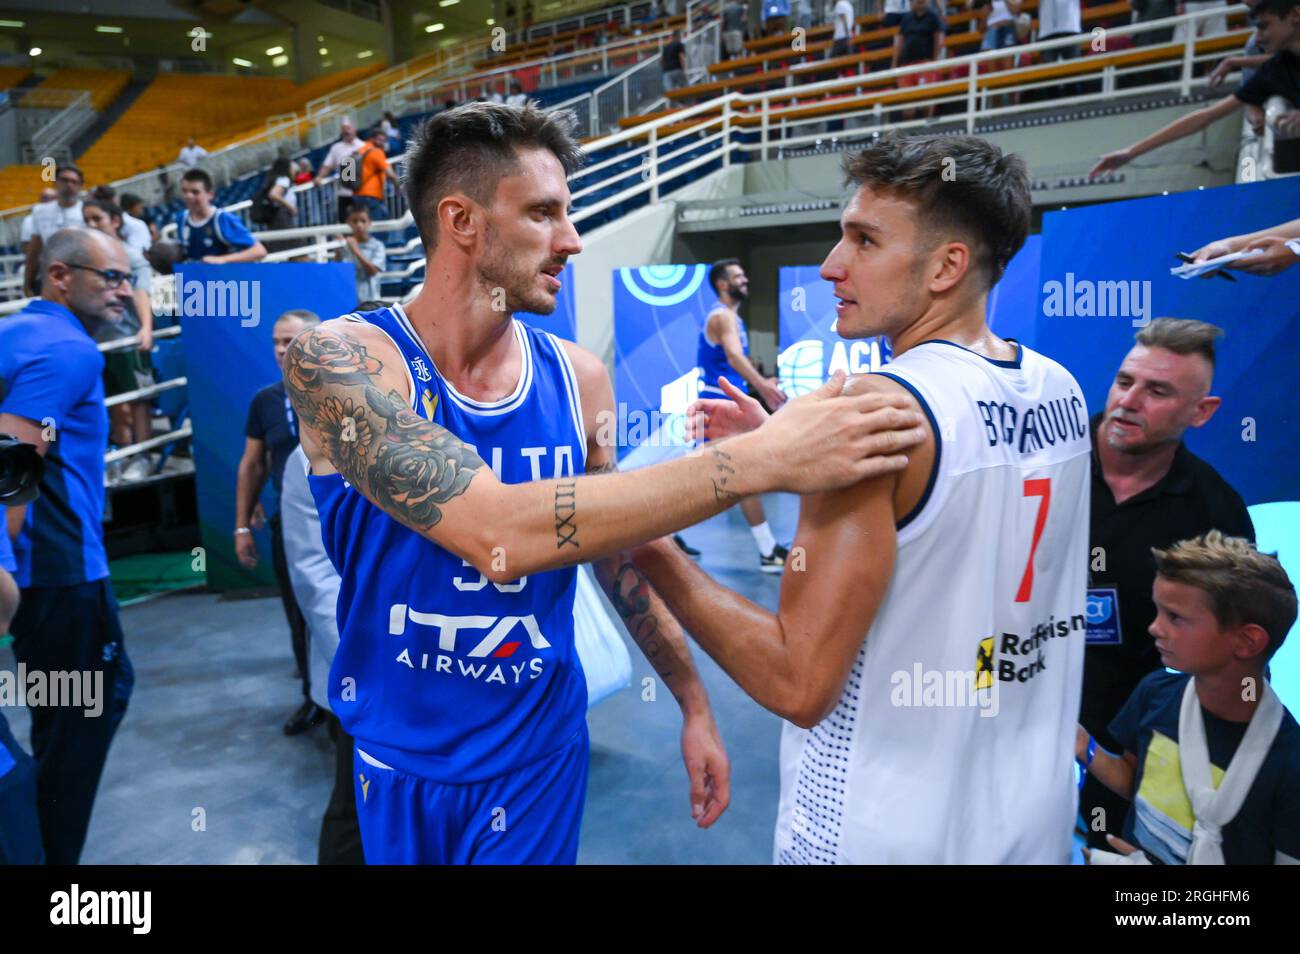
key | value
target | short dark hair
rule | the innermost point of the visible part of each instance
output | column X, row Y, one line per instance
column 69, row 167
column 960, row 184
column 129, row 200
column 357, row 208
column 1278, row 8
column 1181, row 336
column 105, row 192
column 719, row 271
column 471, row 147
column 199, row 175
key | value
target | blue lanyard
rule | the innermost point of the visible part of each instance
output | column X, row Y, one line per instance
column 293, row 421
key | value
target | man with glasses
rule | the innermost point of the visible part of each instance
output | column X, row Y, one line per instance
column 48, row 217
column 52, row 396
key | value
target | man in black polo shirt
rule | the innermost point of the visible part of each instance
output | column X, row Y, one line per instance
column 1148, row 490
column 269, row 438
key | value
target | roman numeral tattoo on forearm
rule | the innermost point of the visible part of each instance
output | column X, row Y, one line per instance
column 566, row 508
column 405, row 464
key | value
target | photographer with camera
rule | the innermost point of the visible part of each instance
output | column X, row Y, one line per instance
column 51, row 379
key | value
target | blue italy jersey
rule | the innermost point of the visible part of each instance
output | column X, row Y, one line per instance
column 712, row 360
column 221, row 234
column 440, row 672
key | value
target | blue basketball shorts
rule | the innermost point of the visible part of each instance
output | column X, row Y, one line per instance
column 528, row 817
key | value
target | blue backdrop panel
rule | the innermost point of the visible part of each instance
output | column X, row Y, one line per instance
column 229, row 357
column 810, row 349
column 1135, row 241
column 562, row 322
column 658, row 313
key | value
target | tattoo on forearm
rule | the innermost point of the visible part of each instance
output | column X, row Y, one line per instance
column 630, row 593
column 723, row 472
column 566, row 508
column 407, row 465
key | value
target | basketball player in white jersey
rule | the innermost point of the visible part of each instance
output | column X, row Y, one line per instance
column 928, row 647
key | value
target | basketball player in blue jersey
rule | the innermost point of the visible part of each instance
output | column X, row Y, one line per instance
column 928, row 648
column 445, row 441
column 723, row 353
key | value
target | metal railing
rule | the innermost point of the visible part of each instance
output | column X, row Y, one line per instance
column 72, row 115
column 641, row 88
column 625, row 13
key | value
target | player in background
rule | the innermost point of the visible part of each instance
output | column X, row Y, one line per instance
column 723, row 354
column 928, row 647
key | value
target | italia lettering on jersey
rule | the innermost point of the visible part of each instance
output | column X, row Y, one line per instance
column 441, row 672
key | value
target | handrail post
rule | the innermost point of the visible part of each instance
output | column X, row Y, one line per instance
column 654, row 164
column 767, row 100
column 1189, row 50
column 726, row 133
column 972, row 85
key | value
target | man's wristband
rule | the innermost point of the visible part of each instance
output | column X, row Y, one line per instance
column 239, row 530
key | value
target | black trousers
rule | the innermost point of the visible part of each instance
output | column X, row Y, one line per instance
column 297, row 622
column 340, row 835
column 72, row 629
column 20, row 824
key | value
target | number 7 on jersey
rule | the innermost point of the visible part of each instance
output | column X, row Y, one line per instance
column 1035, row 487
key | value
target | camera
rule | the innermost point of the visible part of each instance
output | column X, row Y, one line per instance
column 21, row 468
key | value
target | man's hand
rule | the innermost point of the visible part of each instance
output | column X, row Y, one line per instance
column 1121, row 847
column 1274, row 256
column 1220, row 72
column 714, row 418
column 707, row 768
column 1288, row 124
column 246, row 550
column 212, row 259
column 146, row 340
column 771, row 393
column 1111, row 161
column 825, row 440
column 1215, row 249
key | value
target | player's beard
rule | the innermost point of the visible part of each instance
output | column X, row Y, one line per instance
column 521, row 282
column 738, row 294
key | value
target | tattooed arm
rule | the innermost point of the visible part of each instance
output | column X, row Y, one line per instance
column 649, row 622
column 349, row 388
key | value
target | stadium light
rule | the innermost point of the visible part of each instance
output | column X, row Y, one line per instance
column 435, row 27
column 324, row 52
column 16, row 24
column 108, row 29
column 240, row 61
column 448, row 3
column 275, row 51
column 280, row 60
column 34, row 51
column 365, row 53
column 491, row 21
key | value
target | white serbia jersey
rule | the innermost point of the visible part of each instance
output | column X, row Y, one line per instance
column 953, row 741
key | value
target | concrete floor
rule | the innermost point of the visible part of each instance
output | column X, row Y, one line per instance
column 200, row 772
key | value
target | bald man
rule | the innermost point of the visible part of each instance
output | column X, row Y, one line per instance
column 51, row 379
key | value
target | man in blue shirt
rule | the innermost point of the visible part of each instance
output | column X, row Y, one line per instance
column 208, row 234
column 52, row 396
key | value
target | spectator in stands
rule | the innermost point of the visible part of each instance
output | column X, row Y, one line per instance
column 134, row 232
column 918, row 40
column 1249, row 60
column 127, row 369
column 999, row 22
column 366, row 252
column 270, row 435
column 53, row 396
column 674, row 62
column 1057, row 19
column 517, row 95
column 803, row 15
column 373, row 171
column 27, row 227
column 133, row 206
column 389, row 125
column 191, row 154
column 208, row 234
column 1279, row 249
column 735, row 24
column 894, row 10
column 1210, row 26
column 1277, row 25
column 49, row 217
column 302, row 171
column 166, row 185
column 275, row 205
column 347, row 146
column 844, row 29
column 1144, row 11
column 653, row 13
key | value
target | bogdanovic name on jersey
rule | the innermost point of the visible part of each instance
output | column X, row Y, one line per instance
column 489, row 635
column 1059, row 419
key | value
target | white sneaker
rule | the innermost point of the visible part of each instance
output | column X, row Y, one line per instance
column 138, row 469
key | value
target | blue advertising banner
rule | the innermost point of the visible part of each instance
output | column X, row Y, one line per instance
column 227, row 313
